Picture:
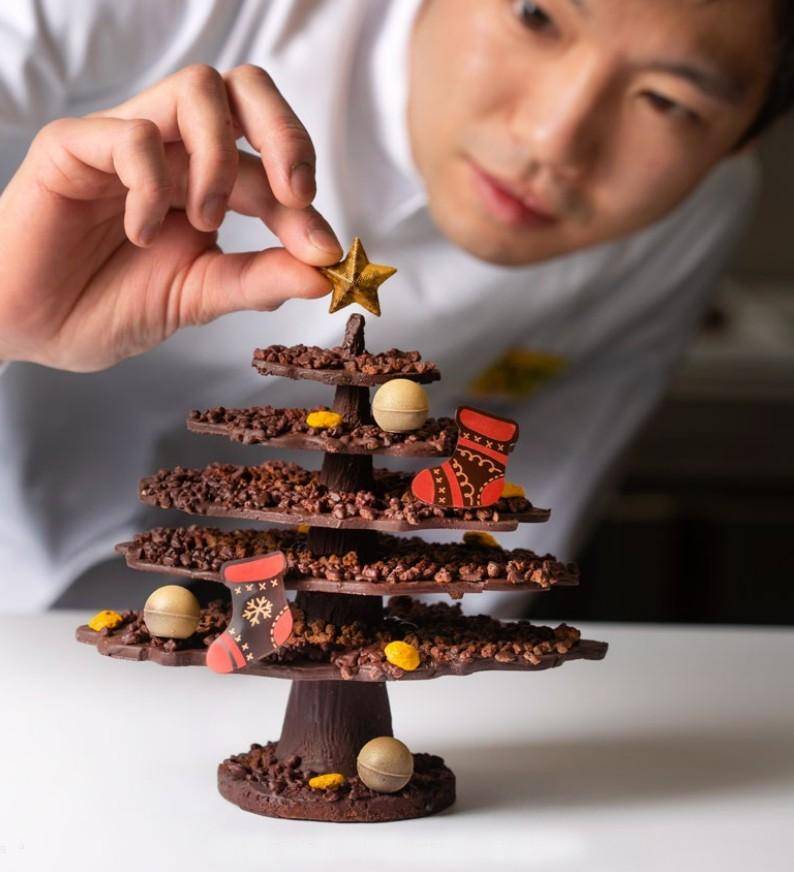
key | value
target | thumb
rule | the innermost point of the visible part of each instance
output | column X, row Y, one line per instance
column 217, row 283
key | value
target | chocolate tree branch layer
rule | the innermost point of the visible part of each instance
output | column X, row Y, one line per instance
column 342, row 365
column 287, row 428
column 260, row 782
column 402, row 565
column 448, row 642
column 285, row 493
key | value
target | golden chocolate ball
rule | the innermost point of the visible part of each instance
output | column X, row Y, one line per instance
column 385, row 765
column 172, row 612
column 400, row 405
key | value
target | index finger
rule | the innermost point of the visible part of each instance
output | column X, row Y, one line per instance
column 276, row 132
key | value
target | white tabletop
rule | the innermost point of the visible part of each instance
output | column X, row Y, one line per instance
column 675, row 753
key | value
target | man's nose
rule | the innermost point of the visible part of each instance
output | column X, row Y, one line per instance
column 563, row 117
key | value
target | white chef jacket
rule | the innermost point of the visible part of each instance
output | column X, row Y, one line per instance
column 75, row 445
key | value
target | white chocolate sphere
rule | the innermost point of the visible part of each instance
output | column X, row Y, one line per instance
column 400, row 405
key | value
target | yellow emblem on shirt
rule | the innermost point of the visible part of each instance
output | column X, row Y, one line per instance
column 518, row 373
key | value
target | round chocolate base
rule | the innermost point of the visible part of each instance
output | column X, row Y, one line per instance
column 256, row 782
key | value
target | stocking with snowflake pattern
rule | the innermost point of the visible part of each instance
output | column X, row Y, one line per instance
column 474, row 476
column 261, row 617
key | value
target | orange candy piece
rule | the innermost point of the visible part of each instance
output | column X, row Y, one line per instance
column 323, row 420
column 106, row 619
column 403, row 655
column 512, row 490
column 480, row 539
column 328, row 781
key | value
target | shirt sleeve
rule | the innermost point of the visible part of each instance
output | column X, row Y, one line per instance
column 574, row 430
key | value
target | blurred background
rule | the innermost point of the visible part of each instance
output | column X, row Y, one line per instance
column 702, row 528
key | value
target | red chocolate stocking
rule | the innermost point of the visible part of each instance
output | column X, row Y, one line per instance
column 475, row 474
column 261, row 616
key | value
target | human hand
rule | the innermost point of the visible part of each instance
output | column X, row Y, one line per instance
column 108, row 228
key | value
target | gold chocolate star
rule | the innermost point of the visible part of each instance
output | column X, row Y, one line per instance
column 356, row 280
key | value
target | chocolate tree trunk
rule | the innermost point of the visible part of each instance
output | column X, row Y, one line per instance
column 327, row 722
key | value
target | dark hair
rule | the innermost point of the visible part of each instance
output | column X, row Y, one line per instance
column 780, row 97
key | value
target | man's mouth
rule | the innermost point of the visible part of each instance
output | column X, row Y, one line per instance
column 508, row 203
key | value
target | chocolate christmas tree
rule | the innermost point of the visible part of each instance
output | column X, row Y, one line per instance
column 340, row 555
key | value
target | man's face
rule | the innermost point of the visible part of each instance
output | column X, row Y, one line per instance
column 541, row 128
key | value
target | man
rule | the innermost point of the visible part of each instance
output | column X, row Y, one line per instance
column 560, row 184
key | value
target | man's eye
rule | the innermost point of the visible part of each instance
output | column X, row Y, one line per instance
column 666, row 106
column 532, row 16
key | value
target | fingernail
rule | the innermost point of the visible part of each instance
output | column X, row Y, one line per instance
column 213, row 209
column 301, row 180
column 149, row 232
column 323, row 238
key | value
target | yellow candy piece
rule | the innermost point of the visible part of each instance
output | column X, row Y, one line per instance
column 105, row 619
column 512, row 490
column 323, row 420
column 403, row 655
column 327, row 781
column 480, row 540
